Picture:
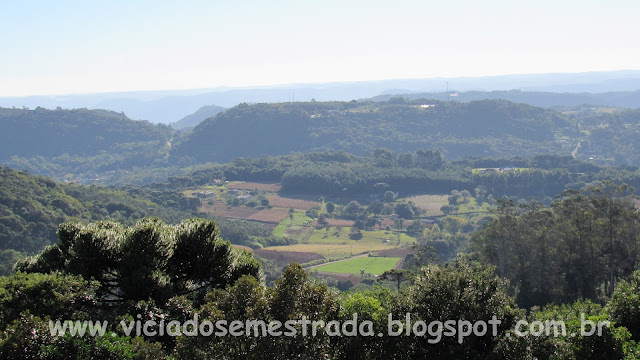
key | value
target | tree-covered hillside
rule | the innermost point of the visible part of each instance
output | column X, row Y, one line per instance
column 489, row 128
column 611, row 138
column 32, row 207
column 74, row 132
column 57, row 142
column 95, row 146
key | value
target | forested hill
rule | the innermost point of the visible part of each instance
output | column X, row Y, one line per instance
column 625, row 99
column 480, row 128
column 97, row 146
column 32, row 207
column 80, row 144
column 81, row 132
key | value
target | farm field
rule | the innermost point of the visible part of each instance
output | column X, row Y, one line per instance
column 300, row 220
column 245, row 201
column 430, row 204
column 274, row 215
column 232, row 212
column 268, row 187
column 370, row 265
column 283, row 258
column 333, row 251
column 472, row 212
column 335, row 236
column 340, row 222
column 290, row 203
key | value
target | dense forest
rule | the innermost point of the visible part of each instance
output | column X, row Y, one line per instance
column 106, row 147
column 79, row 142
column 74, row 132
column 579, row 247
column 339, row 173
column 486, row 128
column 32, row 207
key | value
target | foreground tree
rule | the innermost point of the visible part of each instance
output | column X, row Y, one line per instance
column 624, row 306
column 294, row 296
column 576, row 249
column 459, row 292
column 394, row 276
column 150, row 260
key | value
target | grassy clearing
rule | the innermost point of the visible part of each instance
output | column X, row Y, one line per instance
column 370, row 265
column 279, row 230
column 336, row 243
column 299, row 219
column 475, row 212
column 430, row 204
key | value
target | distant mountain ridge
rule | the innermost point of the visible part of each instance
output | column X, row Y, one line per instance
column 197, row 117
column 625, row 99
column 172, row 105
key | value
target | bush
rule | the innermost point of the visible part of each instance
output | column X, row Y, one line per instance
column 624, row 306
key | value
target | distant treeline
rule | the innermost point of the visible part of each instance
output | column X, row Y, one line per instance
column 338, row 173
column 626, row 99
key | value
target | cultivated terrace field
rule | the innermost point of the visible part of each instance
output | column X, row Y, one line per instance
column 310, row 230
column 360, row 265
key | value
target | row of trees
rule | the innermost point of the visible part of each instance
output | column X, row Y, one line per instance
column 337, row 173
column 578, row 248
column 433, row 294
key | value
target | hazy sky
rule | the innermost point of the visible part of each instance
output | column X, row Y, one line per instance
column 59, row 47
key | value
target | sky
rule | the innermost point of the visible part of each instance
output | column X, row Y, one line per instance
column 64, row 47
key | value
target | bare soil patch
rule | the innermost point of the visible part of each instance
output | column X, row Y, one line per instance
column 283, row 202
column 397, row 252
column 391, row 224
column 340, row 222
column 273, row 216
column 286, row 257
